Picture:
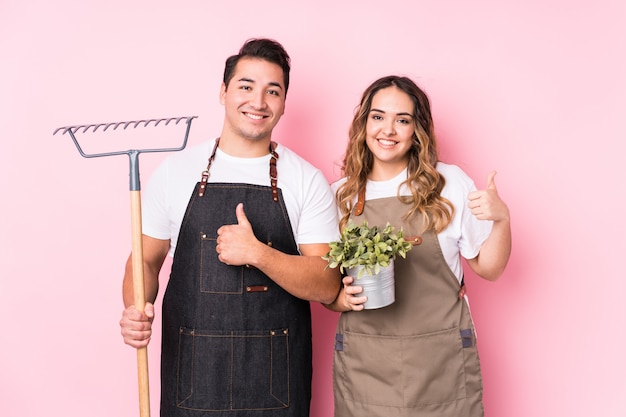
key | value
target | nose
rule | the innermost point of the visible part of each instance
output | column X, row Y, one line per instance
column 258, row 100
column 389, row 128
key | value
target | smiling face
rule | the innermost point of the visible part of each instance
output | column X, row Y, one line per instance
column 254, row 102
column 390, row 130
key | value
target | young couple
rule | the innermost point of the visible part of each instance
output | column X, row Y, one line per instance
column 247, row 222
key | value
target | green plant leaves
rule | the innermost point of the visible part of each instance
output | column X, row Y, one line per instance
column 366, row 246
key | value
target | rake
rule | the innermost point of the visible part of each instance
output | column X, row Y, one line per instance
column 135, row 209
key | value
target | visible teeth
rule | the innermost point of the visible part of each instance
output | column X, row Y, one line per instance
column 387, row 142
column 254, row 116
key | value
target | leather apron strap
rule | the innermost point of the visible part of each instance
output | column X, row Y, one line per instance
column 273, row 172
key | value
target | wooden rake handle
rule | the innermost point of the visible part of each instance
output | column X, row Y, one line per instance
column 139, row 299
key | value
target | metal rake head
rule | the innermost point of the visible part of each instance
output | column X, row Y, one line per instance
column 72, row 130
column 133, row 154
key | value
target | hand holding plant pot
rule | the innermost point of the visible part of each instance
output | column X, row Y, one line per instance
column 363, row 249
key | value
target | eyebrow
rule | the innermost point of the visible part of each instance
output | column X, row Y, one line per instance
column 398, row 114
column 250, row 80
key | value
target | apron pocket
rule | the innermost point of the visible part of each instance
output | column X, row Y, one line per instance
column 435, row 371
column 401, row 371
column 237, row 370
column 215, row 276
column 368, row 369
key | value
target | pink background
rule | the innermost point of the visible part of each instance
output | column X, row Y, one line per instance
column 533, row 89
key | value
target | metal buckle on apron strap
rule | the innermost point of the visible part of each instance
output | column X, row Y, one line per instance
column 203, row 181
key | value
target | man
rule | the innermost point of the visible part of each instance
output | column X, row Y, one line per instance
column 247, row 256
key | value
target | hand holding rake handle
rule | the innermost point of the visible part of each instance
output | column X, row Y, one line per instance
column 136, row 232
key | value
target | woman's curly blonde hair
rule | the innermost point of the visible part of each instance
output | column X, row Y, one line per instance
column 423, row 180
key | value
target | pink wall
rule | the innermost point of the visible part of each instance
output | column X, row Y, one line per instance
column 533, row 89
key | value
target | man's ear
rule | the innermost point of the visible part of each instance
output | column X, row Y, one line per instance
column 222, row 93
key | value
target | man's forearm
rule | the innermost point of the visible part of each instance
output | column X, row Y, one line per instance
column 151, row 284
column 303, row 276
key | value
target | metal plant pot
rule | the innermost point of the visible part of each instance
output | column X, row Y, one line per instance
column 379, row 288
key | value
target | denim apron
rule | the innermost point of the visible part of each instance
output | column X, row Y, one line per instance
column 234, row 343
column 418, row 356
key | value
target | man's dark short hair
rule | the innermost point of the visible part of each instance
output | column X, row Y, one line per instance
column 266, row 49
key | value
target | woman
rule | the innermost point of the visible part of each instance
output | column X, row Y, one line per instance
column 418, row 356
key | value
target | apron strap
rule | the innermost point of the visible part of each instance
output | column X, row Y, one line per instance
column 360, row 203
column 205, row 173
column 462, row 288
column 273, row 171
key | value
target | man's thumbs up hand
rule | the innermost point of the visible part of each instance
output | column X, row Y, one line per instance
column 236, row 241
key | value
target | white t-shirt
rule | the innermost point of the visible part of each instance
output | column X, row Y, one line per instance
column 465, row 234
column 308, row 198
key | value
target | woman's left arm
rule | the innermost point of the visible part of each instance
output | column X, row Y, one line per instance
column 495, row 252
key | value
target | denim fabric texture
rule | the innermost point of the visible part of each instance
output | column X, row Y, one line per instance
column 234, row 343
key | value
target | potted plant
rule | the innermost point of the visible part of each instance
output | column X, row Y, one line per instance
column 367, row 254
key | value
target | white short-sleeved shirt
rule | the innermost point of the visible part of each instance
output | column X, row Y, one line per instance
column 465, row 234
column 308, row 198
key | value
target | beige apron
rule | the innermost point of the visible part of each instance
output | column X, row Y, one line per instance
column 418, row 356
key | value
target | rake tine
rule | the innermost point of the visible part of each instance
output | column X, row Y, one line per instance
column 146, row 122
